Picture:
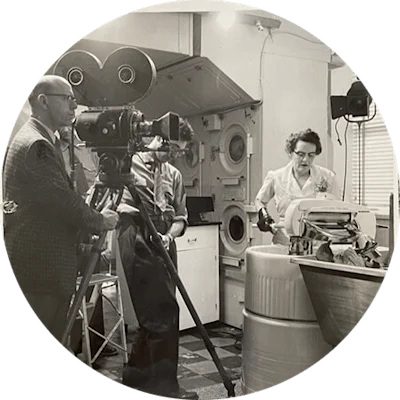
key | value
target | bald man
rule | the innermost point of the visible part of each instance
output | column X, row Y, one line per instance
column 43, row 214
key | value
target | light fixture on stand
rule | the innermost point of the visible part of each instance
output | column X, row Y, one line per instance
column 357, row 104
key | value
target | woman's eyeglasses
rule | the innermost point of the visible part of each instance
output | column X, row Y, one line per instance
column 301, row 154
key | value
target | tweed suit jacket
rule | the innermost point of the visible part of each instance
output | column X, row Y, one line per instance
column 40, row 236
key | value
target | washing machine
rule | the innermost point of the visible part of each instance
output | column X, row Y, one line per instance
column 229, row 146
column 229, row 162
column 233, row 244
column 281, row 334
column 225, row 164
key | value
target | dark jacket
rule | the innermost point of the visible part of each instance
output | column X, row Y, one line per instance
column 40, row 236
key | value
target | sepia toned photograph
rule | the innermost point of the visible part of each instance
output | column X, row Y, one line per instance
column 200, row 204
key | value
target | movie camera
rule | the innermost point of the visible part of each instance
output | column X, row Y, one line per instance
column 112, row 126
column 118, row 133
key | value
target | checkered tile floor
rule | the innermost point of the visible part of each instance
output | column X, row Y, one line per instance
column 196, row 370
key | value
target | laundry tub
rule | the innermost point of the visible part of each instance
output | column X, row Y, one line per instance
column 340, row 293
column 281, row 335
column 275, row 287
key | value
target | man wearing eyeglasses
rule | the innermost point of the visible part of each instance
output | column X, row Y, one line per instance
column 41, row 227
column 300, row 178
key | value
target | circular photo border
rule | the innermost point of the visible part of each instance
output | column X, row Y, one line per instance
column 323, row 36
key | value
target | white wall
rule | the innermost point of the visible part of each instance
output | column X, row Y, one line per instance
column 238, row 50
column 295, row 98
column 341, row 79
column 169, row 32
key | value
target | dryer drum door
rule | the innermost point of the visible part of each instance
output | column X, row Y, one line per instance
column 233, row 149
column 233, row 231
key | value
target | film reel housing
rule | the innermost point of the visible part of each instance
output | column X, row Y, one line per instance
column 111, row 125
column 127, row 76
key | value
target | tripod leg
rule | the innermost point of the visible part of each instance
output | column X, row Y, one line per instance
column 86, row 330
column 176, row 279
column 76, row 304
column 94, row 258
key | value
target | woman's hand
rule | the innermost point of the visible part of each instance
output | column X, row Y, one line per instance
column 265, row 221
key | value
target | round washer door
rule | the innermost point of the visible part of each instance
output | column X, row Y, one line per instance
column 233, row 148
column 233, row 230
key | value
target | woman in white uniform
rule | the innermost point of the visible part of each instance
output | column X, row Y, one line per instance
column 298, row 179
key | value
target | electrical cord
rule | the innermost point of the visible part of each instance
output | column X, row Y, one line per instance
column 236, row 336
column 260, row 73
column 345, row 153
column 269, row 35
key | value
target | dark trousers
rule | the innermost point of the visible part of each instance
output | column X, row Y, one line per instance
column 153, row 362
column 51, row 310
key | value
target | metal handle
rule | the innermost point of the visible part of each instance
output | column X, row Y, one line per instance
column 353, row 235
column 382, row 226
column 192, row 240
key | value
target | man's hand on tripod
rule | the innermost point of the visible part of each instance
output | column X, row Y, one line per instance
column 166, row 240
column 111, row 217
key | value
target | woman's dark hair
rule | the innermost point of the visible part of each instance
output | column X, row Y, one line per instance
column 308, row 136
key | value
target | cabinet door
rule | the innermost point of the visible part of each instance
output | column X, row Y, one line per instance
column 198, row 270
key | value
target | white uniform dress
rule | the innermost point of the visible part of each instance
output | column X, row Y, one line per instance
column 282, row 186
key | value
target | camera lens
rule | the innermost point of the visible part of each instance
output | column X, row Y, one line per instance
column 126, row 74
column 75, row 76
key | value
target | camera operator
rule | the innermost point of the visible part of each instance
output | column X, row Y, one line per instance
column 42, row 213
column 153, row 362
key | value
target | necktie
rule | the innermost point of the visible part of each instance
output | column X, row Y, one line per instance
column 57, row 147
column 159, row 195
column 79, row 180
column 82, row 185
